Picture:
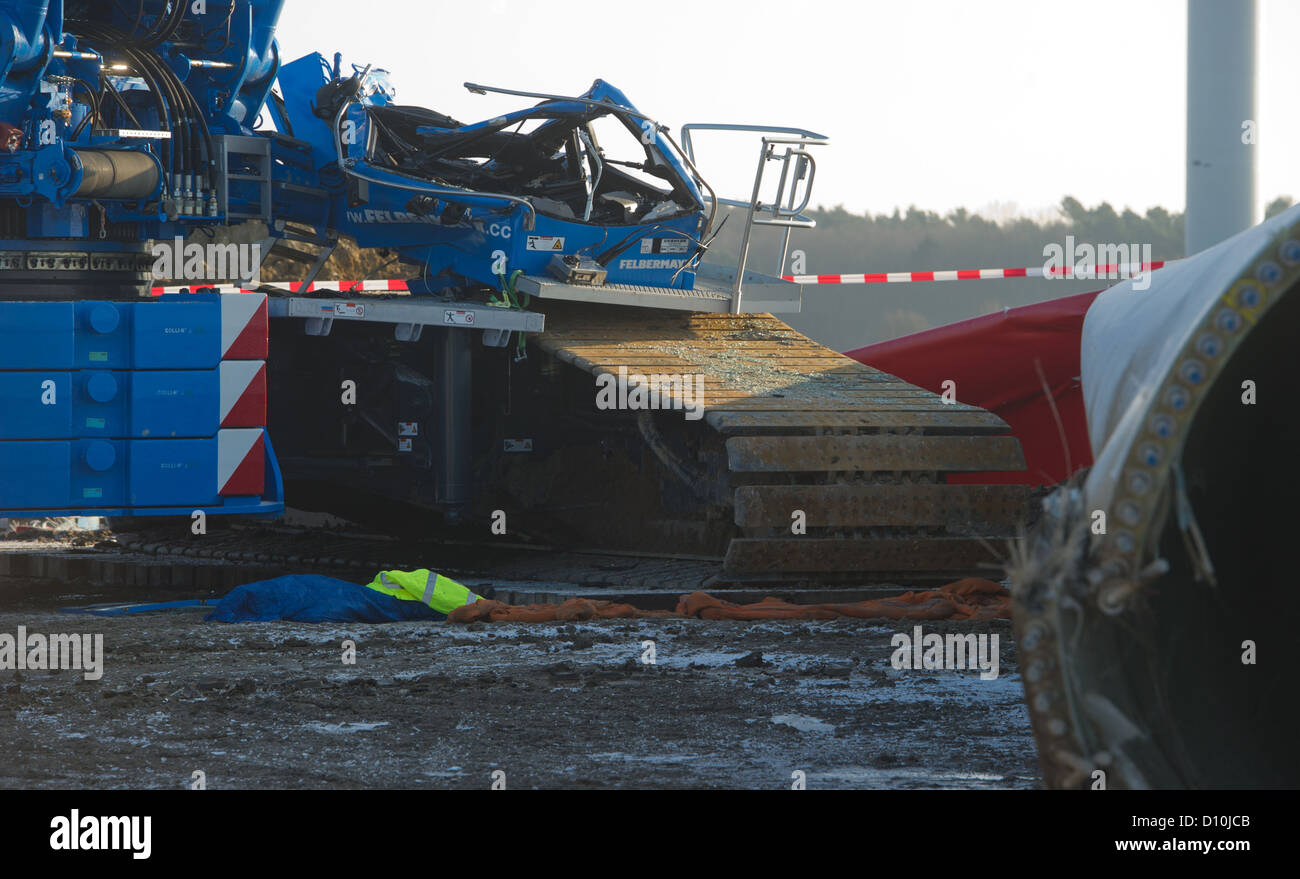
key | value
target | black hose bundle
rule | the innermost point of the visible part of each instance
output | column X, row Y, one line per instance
column 94, row 113
column 167, row 25
column 191, row 149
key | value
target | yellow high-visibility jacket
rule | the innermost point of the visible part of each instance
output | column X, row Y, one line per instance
column 438, row 592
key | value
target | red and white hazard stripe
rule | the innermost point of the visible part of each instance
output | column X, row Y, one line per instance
column 345, row 286
column 245, row 327
column 241, row 463
column 319, row 287
column 1114, row 271
column 243, row 393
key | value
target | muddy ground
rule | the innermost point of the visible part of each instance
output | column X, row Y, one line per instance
column 434, row 705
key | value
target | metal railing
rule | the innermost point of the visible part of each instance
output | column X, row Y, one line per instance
column 797, row 166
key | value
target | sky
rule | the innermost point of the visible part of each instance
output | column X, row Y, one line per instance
column 999, row 106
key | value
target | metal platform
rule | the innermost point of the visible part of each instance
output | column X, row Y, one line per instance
column 876, row 501
column 712, row 293
column 410, row 314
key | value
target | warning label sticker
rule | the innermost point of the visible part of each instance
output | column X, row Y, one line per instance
column 458, row 318
column 349, row 309
column 665, row 245
column 549, row 243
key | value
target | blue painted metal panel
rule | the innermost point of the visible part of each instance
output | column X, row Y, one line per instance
column 24, row 414
column 173, row 472
column 37, row 335
column 68, row 221
column 103, row 335
column 111, row 405
column 77, row 474
column 98, row 472
column 162, row 334
column 137, row 478
column 35, row 475
column 177, row 334
column 99, row 407
column 175, row 404
column 471, row 252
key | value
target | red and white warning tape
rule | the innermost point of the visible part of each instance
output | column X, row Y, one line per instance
column 1113, row 271
column 1104, row 272
column 319, row 287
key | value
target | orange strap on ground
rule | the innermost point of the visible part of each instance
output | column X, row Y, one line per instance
column 971, row 599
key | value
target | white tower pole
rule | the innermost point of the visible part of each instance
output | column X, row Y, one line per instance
column 1220, row 100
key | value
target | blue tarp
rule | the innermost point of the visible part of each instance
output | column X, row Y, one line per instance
column 120, row 609
column 309, row 598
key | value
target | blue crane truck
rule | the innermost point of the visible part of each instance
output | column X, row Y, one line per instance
column 544, row 250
